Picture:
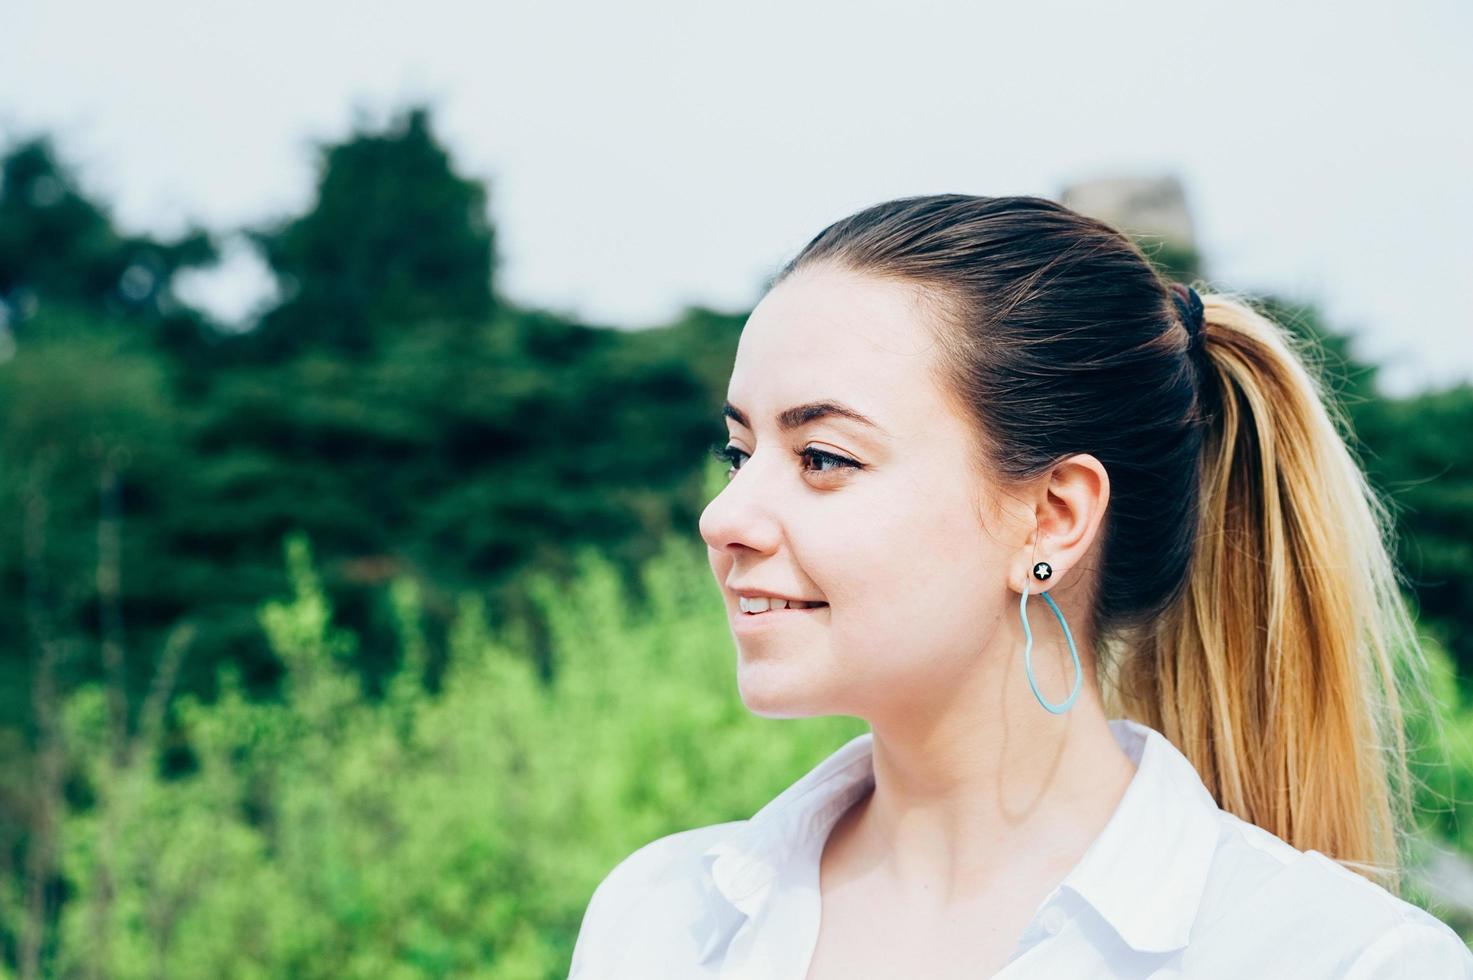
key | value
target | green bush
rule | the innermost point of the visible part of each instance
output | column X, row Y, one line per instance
column 1441, row 746
column 456, row 834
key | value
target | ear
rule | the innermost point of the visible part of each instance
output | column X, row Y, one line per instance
column 1069, row 508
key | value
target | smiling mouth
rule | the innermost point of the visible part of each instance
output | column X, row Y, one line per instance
column 808, row 607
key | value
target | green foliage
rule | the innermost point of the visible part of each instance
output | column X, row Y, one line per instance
column 456, row 834
column 1441, row 737
column 1416, row 455
column 78, row 406
column 395, row 237
column 58, row 247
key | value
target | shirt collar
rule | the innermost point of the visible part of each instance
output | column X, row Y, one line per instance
column 739, row 868
column 1161, row 837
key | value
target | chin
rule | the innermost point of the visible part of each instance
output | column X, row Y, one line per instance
column 769, row 691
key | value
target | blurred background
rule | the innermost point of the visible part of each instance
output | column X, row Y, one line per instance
column 359, row 365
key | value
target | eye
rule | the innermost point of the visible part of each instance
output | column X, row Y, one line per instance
column 728, row 455
column 732, row 456
column 818, row 457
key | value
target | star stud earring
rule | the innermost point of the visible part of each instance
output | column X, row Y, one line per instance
column 1042, row 571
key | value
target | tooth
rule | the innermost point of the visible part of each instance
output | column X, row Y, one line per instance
column 761, row 604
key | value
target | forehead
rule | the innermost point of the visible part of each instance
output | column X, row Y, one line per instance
column 832, row 333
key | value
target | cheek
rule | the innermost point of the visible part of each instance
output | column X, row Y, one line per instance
column 914, row 581
column 917, row 549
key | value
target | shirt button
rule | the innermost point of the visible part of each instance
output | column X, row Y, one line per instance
column 1053, row 919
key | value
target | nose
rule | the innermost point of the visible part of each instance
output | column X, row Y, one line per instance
column 740, row 516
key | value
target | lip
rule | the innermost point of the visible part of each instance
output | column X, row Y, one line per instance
column 749, row 623
column 740, row 592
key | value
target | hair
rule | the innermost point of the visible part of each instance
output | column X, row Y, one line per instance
column 1245, row 574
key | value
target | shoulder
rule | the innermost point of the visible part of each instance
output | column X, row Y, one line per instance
column 654, row 862
column 659, row 876
column 1418, row 945
column 1408, row 941
column 1305, row 901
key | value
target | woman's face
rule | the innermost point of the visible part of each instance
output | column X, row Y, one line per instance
column 917, row 587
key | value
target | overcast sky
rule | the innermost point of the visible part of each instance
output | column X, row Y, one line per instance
column 643, row 155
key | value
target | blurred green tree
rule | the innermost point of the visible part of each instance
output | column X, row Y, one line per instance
column 394, row 238
column 58, row 247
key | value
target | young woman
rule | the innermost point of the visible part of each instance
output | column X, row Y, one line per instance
column 944, row 406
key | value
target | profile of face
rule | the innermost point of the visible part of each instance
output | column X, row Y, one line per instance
column 886, row 523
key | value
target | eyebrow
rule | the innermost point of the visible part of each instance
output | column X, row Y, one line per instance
column 801, row 415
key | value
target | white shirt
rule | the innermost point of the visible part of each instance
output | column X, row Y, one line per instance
column 1173, row 886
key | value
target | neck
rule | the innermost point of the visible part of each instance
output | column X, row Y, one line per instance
column 967, row 797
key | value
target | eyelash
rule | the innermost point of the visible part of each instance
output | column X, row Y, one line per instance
column 728, row 454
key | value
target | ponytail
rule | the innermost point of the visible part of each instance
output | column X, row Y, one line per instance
column 1276, row 670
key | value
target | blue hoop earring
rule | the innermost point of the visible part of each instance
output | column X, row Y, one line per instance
column 1042, row 571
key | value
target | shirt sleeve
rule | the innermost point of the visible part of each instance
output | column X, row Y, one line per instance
column 1414, row 949
column 635, row 894
column 603, row 936
column 590, row 932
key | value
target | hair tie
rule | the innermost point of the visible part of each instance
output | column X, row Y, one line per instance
column 1189, row 306
column 1192, row 311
